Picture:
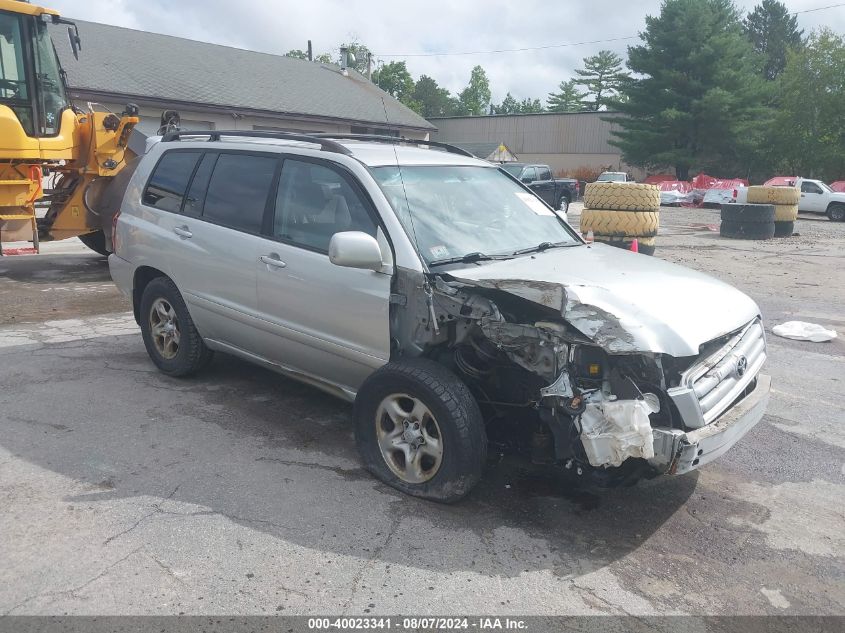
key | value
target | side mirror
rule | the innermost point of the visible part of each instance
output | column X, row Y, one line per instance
column 355, row 249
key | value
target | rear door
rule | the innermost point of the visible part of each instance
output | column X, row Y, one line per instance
column 323, row 320
column 217, row 237
column 545, row 185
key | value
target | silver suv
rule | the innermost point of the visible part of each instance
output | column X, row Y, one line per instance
column 442, row 297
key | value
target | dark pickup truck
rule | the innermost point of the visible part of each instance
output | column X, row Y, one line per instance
column 557, row 192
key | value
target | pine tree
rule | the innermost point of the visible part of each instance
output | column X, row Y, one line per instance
column 699, row 102
column 568, row 99
column 602, row 77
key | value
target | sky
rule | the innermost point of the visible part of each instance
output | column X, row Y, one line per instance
column 405, row 29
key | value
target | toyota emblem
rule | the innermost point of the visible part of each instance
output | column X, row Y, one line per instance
column 741, row 366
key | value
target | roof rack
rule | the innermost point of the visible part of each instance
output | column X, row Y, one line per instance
column 214, row 135
column 384, row 138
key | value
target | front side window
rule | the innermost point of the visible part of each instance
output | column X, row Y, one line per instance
column 810, row 187
column 13, row 89
column 52, row 99
column 314, row 202
column 166, row 187
column 238, row 191
column 455, row 211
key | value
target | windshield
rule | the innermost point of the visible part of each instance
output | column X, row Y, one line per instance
column 513, row 170
column 825, row 187
column 454, row 211
column 13, row 89
column 611, row 177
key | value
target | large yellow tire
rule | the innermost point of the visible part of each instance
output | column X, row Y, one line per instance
column 620, row 223
column 786, row 212
column 773, row 195
column 621, row 196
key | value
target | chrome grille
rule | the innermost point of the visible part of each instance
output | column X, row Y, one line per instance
column 720, row 379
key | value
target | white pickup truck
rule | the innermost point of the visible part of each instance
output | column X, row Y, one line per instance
column 816, row 197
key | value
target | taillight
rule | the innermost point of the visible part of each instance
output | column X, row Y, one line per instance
column 736, row 194
column 114, row 232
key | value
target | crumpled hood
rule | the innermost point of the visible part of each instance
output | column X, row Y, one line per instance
column 623, row 301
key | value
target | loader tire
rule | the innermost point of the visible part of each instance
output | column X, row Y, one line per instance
column 748, row 213
column 620, row 223
column 784, row 229
column 786, row 212
column 747, row 231
column 645, row 245
column 96, row 241
column 620, row 196
column 759, row 194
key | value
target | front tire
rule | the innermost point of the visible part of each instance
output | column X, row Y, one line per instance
column 170, row 336
column 419, row 429
column 836, row 213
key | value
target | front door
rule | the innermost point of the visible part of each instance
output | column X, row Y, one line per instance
column 812, row 198
column 326, row 321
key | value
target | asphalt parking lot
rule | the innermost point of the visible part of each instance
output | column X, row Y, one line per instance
column 240, row 492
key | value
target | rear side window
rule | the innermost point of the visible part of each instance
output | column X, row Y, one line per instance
column 545, row 174
column 196, row 194
column 238, row 190
column 166, row 187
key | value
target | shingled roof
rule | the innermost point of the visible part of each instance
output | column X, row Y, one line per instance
column 142, row 65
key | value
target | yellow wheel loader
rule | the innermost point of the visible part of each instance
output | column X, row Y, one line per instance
column 57, row 162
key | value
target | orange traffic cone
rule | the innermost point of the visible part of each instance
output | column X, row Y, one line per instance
column 635, row 246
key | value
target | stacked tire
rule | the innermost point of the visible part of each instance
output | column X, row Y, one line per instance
column 617, row 213
column 785, row 201
column 748, row 221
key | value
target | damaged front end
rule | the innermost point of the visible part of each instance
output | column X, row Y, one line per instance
column 566, row 382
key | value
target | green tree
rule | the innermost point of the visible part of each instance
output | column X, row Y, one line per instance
column 324, row 58
column 475, row 98
column 602, row 77
column 772, row 31
column 809, row 129
column 297, row 54
column 395, row 80
column 567, row 99
column 699, row 102
column 434, row 101
column 529, row 106
column 509, row 105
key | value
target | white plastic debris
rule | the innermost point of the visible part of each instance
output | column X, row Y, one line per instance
column 803, row 331
column 613, row 431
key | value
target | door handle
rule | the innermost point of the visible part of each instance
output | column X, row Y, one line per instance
column 273, row 260
column 182, row 231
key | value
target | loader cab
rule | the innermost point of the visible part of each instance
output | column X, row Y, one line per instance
column 31, row 81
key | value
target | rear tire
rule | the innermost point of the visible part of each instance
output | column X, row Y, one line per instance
column 748, row 213
column 747, row 231
column 564, row 204
column 163, row 313
column 96, row 241
column 836, row 212
column 420, row 391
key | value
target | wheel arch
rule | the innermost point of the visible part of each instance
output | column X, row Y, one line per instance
column 143, row 276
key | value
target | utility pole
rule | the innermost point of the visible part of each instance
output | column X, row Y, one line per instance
column 310, row 52
column 369, row 65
